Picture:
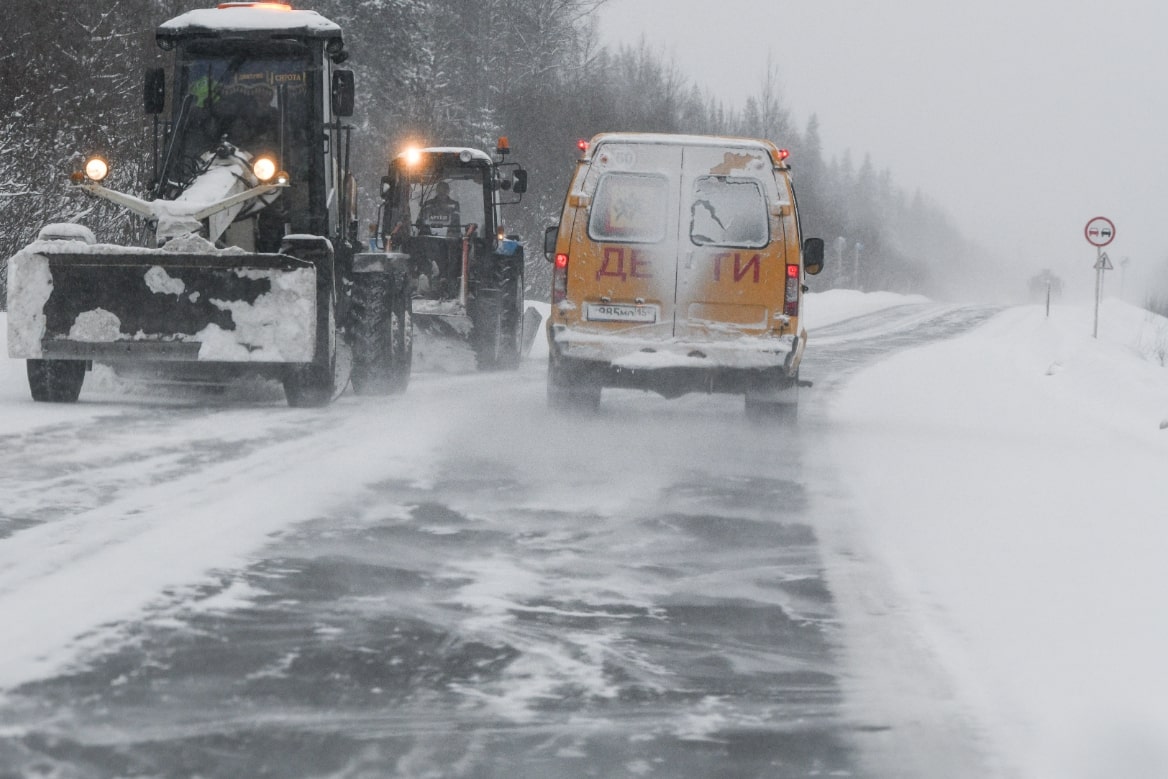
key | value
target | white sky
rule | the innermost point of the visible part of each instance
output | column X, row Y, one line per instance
column 1021, row 119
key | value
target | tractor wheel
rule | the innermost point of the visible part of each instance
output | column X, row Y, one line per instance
column 382, row 334
column 497, row 332
column 55, row 381
column 313, row 385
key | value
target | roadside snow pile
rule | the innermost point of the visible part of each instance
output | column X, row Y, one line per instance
column 1013, row 483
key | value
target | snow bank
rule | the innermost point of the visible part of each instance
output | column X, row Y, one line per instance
column 1013, row 482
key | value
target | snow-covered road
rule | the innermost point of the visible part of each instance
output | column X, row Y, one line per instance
column 455, row 582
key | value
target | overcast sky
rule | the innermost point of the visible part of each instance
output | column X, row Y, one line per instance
column 1023, row 119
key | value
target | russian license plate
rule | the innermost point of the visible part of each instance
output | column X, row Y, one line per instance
column 619, row 312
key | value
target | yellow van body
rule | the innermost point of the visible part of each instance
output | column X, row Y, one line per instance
column 678, row 268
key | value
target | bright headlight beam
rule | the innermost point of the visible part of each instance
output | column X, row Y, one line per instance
column 96, row 169
column 264, row 168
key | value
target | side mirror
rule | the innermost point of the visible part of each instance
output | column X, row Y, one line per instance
column 386, row 186
column 154, row 91
column 344, row 91
column 550, row 236
column 813, row 255
column 520, row 185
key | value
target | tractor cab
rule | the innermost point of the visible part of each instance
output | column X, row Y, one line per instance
column 253, row 84
column 441, row 223
column 442, row 210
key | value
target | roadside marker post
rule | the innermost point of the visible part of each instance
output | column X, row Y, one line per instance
column 1099, row 232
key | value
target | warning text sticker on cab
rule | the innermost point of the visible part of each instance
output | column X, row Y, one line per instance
column 615, row 312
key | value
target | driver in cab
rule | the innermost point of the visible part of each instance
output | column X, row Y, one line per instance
column 440, row 210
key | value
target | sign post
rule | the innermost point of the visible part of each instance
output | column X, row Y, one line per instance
column 1099, row 232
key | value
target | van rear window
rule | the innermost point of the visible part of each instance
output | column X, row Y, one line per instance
column 729, row 212
column 629, row 207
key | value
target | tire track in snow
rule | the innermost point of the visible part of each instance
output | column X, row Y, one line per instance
column 62, row 581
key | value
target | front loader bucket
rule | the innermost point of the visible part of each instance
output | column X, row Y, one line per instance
column 113, row 303
column 442, row 318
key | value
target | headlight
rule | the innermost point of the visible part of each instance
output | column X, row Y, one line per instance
column 96, row 169
column 264, row 168
column 413, row 156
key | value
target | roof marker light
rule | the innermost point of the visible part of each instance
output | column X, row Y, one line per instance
column 264, row 6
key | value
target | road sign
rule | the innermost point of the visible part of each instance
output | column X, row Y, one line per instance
column 1100, row 231
column 1104, row 262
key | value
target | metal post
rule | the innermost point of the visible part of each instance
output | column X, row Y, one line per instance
column 1048, row 298
column 1098, row 286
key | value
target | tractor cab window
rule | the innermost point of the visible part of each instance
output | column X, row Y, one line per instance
column 441, row 203
column 255, row 103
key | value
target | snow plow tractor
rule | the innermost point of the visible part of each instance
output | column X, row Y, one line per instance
column 440, row 223
column 248, row 231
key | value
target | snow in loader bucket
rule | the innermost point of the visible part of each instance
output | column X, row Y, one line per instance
column 70, row 300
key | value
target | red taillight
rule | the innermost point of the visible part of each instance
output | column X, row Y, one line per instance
column 784, row 154
column 582, row 145
column 791, row 299
column 560, row 278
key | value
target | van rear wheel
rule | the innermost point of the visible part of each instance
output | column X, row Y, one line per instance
column 566, row 393
column 770, row 411
column 780, row 404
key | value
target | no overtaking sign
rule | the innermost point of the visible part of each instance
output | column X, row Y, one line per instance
column 1100, row 231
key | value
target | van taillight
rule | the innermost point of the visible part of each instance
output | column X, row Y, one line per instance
column 560, row 278
column 791, row 300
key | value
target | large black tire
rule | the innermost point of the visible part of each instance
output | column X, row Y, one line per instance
column 781, row 409
column 314, row 385
column 55, row 381
column 497, row 316
column 382, row 333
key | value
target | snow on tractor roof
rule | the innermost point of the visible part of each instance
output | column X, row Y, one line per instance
column 249, row 18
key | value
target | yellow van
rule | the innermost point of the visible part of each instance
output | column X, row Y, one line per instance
column 679, row 267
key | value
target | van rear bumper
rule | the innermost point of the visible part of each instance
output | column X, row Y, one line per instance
column 673, row 368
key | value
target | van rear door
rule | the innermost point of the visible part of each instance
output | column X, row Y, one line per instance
column 627, row 262
column 731, row 266
column 680, row 241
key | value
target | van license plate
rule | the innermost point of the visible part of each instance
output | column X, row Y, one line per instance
column 615, row 312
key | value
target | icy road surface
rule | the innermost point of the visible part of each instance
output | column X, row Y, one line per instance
column 450, row 583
